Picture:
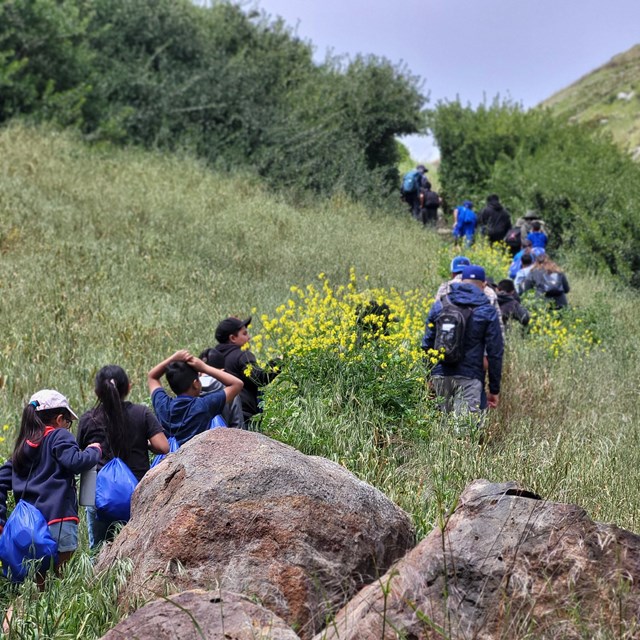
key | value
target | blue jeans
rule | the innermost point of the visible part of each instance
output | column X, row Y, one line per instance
column 99, row 531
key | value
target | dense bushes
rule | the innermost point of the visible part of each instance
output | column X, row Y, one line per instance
column 237, row 89
column 584, row 187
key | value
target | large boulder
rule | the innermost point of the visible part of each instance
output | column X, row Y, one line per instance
column 198, row 614
column 506, row 565
column 236, row 510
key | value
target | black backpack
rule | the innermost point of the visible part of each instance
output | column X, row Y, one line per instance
column 552, row 284
column 451, row 326
column 432, row 199
column 513, row 239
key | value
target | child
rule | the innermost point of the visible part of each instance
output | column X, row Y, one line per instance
column 123, row 430
column 188, row 414
column 536, row 236
column 232, row 334
column 42, row 468
column 464, row 222
column 510, row 306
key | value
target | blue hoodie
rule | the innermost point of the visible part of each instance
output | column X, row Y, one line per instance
column 50, row 485
column 482, row 334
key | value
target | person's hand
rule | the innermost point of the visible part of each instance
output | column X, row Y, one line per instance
column 181, row 355
column 196, row 363
column 492, row 400
column 95, row 445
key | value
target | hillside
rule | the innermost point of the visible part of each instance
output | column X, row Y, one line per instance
column 609, row 98
column 123, row 256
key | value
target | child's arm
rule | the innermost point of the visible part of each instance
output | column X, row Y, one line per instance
column 68, row 453
column 153, row 377
column 232, row 385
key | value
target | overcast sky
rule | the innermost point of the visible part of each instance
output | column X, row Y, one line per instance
column 524, row 49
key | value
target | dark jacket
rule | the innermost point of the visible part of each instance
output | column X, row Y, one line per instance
column 50, row 485
column 511, row 309
column 536, row 280
column 482, row 333
column 234, row 360
column 495, row 221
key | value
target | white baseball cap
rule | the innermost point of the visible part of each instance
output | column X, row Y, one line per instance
column 50, row 399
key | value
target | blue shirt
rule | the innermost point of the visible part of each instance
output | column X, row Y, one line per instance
column 538, row 239
column 185, row 416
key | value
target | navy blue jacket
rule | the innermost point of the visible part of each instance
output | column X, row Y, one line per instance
column 482, row 334
column 50, row 486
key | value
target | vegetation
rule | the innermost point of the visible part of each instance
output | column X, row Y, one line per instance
column 580, row 184
column 122, row 256
column 606, row 99
column 237, row 89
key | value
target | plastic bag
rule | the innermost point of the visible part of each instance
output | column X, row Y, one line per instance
column 173, row 447
column 25, row 537
column 217, row 422
column 114, row 488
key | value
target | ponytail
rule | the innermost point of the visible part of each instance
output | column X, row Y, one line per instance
column 112, row 387
column 32, row 429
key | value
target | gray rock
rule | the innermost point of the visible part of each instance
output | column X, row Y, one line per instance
column 506, row 565
column 202, row 615
column 236, row 510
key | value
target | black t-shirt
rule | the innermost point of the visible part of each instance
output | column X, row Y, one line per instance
column 142, row 426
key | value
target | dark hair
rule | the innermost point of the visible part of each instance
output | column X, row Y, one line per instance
column 32, row 428
column 506, row 285
column 536, row 226
column 112, row 387
column 180, row 376
column 526, row 259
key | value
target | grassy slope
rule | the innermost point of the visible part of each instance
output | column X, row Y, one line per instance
column 125, row 256
column 594, row 99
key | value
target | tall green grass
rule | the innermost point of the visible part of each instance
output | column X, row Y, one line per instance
column 123, row 256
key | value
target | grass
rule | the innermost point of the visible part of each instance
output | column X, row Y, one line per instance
column 123, row 256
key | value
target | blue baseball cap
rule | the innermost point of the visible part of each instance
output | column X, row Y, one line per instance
column 474, row 272
column 459, row 263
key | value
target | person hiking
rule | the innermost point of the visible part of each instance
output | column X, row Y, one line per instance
column 536, row 236
column 188, row 414
column 429, row 203
column 510, row 307
column 548, row 280
column 232, row 335
column 464, row 222
column 460, row 384
column 124, row 430
column 412, row 182
column 526, row 264
column 527, row 248
column 494, row 219
column 43, row 466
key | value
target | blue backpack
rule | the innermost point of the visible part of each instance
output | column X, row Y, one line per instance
column 114, row 488
column 25, row 538
column 173, row 447
column 465, row 216
column 411, row 181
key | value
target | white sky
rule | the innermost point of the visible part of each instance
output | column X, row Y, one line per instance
column 524, row 49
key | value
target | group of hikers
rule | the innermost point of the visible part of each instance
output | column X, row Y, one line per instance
column 466, row 325
column 225, row 381
column 465, row 328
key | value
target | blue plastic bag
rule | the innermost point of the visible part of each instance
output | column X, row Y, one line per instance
column 173, row 447
column 25, row 537
column 217, row 422
column 114, row 488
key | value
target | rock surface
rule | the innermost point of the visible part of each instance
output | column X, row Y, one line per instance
column 198, row 614
column 238, row 511
column 507, row 565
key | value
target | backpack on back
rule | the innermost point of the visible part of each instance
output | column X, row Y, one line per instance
column 451, row 326
column 411, row 181
column 552, row 283
column 513, row 238
column 432, row 199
